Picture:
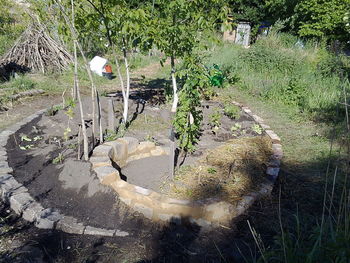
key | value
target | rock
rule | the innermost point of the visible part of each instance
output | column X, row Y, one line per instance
column 146, row 211
column 70, row 225
column 120, row 151
column 10, row 186
column 131, row 142
column 100, row 161
column 119, row 233
column 107, row 174
column 220, row 210
column 157, row 151
column 48, row 219
column 277, row 151
column 273, row 136
column 20, row 201
column 89, row 230
column 143, row 191
column 102, row 150
column 32, row 212
column 273, row 172
column 146, row 147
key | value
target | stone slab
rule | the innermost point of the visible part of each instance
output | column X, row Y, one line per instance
column 89, row 230
column 273, row 136
column 20, row 201
column 146, row 211
column 107, row 174
column 32, row 212
column 48, row 219
column 102, row 150
column 70, row 225
column 132, row 144
column 119, row 233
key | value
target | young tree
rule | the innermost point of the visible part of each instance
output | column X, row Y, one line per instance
column 121, row 22
column 178, row 26
column 94, row 93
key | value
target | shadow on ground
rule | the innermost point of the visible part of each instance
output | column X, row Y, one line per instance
column 300, row 188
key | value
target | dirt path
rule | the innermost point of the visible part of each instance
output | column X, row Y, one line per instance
column 26, row 107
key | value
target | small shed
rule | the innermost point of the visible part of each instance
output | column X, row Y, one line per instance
column 239, row 35
column 243, row 33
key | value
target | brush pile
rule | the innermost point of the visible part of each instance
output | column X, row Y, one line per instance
column 36, row 51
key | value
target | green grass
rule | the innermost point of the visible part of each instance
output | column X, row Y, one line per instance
column 57, row 83
column 297, row 92
column 275, row 70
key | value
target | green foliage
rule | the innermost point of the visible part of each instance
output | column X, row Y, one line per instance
column 58, row 159
column 215, row 118
column 232, row 111
column 211, row 170
column 19, row 83
column 53, row 110
column 188, row 115
column 316, row 18
column 66, row 133
column 110, row 136
column 12, row 24
column 278, row 71
column 177, row 26
column 13, row 86
column 257, row 129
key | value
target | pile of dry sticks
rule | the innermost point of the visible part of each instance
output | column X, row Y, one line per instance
column 37, row 51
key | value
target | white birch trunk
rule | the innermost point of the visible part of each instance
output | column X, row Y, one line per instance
column 126, row 98
column 173, row 78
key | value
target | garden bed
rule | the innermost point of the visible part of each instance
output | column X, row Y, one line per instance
column 43, row 154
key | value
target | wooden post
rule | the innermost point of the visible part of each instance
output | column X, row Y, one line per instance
column 111, row 116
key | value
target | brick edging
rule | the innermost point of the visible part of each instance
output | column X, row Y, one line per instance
column 23, row 204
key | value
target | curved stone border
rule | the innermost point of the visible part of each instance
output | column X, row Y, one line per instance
column 25, row 205
column 159, row 207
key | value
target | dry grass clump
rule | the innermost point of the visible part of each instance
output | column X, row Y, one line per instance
column 228, row 172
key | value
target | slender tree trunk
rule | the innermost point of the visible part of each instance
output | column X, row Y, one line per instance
column 173, row 78
column 93, row 87
column 126, row 99
column 74, row 92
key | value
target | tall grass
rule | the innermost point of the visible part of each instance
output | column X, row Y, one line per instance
column 327, row 237
column 278, row 70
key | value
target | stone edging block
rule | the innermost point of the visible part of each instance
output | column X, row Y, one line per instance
column 204, row 212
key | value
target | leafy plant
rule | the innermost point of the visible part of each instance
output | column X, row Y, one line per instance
column 257, row 129
column 110, row 136
column 53, row 110
column 26, row 147
column 189, row 116
column 25, row 138
column 232, row 111
column 236, row 127
column 58, row 159
column 215, row 118
column 211, row 170
column 66, row 133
